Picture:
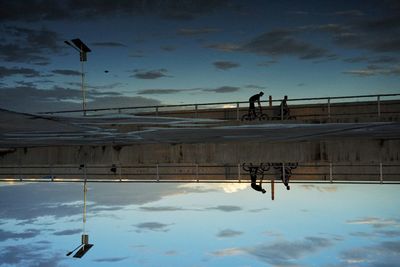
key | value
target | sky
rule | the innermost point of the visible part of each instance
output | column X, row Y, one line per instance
column 200, row 225
column 152, row 52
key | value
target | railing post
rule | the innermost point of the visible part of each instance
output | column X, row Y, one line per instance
column 379, row 105
column 197, row 172
column 239, row 178
column 156, row 111
column 237, row 111
column 270, row 101
column 120, row 173
column 195, row 110
column 158, row 173
column 329, row 108
column 330, row 172
column 381, row 173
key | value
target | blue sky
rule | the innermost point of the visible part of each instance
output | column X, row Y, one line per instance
column 173, row 52
column 200, row 225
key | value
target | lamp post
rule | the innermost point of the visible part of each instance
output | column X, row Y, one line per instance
column 78, row 45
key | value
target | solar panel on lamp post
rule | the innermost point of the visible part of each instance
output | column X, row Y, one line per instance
column 82, row 49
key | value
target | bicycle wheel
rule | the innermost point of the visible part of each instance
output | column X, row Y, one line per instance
column 263, row 117
column 245, row 117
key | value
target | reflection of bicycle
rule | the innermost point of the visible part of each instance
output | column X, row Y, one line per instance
column 259, row 115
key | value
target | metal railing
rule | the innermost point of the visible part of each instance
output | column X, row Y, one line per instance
column 196, row 108
column 322, row 172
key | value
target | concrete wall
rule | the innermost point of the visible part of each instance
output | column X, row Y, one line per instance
column 316, row 113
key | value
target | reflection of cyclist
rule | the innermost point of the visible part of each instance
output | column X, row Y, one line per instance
column 252, row 100
column 253, row 177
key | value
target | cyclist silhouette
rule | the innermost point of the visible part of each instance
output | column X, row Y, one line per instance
column 252, row 100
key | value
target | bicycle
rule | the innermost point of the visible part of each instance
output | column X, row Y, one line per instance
column 259, row 115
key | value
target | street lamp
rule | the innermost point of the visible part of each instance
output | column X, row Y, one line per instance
column 82, row 49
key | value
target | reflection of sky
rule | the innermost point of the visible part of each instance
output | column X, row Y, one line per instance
column 200, row 225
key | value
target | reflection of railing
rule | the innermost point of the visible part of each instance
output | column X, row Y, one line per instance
column 379, row 105
column 328, row 172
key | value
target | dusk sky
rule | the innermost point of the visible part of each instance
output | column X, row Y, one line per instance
column 176, row 52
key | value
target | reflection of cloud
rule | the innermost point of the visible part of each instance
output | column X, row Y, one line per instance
column 375, row 222
column 68, row 232
column 226, row 208
column 112, row 259
column 228, row 252
column 28, row 255
column 384, row 254
column 171, row 253
column 162, row 208
column 225, row 187
column 65, row 200
column 152, row 226
column 320, row 188
column 228, row 233
column 282, row 253
column 4, row 235
column 287, row 252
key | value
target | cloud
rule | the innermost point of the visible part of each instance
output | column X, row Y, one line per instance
column 282, row 42
column 150, row 75
column 43, row 10
column 350, row 13
column 224, row 47
column 112, row 259
column 25, row 45
column 67, row 72
column 226, row 208
column 227, row 233
column 225, row 65
column 168, row 48
column 26, row 72
column 28, row 98
column 163, row 208
column 109, row 44
column 68, row 232
column 4, row 235
column 152, row 226
column 198, row 31
column 267, row 63
column 372, row 70
column 223, row 89
column 158, row 91
column 375, row 222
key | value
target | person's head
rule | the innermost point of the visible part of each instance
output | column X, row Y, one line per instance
column 264, row 191
column 261, row 93
column 285, row 97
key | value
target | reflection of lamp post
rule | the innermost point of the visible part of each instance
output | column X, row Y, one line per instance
column 82, row 49
column 84, row 246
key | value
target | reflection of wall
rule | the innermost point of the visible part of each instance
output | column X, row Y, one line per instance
column 335, row 150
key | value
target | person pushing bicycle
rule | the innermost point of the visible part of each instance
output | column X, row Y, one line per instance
column 252, row 100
